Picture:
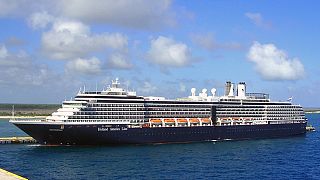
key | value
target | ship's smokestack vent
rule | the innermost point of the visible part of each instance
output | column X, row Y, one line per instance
column 229, row 91
column 241, row 90
column 193, row 92
column 227, row 88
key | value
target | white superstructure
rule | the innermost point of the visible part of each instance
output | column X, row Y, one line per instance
column 116, row 105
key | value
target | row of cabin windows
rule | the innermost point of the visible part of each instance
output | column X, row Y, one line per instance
column 87, row 120
column 145, row 109
column 178, row 116
column 292, row 110
column 249, row 115
column 106, row 117
column 291, row 118
column 175, row 113
column 115, row 105
column 113, row 109
column 284, row 107
column 177, row 106
column 108, row 113
column 241, row 109
column 177, row 109
column 114, row 120
column 258, row 109
column 269, row 117
column 258, row 113
column 243, row 106
column 187, row 106
column 276, row 113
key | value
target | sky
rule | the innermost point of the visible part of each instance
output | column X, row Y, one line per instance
column 51, row 49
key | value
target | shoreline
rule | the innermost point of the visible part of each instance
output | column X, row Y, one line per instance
column 22, row 117
column 312, row 112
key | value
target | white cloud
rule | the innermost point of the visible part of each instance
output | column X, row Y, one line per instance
column 147, row 88
column 273, row 64
column 182, row 87
column 73, row 39
column 14, row 41
column 142, row 14
column 134, row 13
column 169, row 53
column 258, row 20
column 3, row 52
column 119, row 61
column 19, row 69
column 11, row 7
column 84, row 66
column 70, row 40
column 40, row 20
column 208, row 42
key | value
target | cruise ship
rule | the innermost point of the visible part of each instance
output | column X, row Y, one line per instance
column 119, row 116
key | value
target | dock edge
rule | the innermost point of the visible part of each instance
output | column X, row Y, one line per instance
column 10, row 174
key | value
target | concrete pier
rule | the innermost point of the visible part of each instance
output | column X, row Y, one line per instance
column 10, row 176
column 17, row 140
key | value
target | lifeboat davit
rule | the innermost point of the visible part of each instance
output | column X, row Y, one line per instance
column 194, row 120
column 169, row 121
column 146, row 125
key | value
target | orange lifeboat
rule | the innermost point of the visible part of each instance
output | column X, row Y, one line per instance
column 206, row 120
column 155, row 121
column 182, row 120
column 169, row 121
column 194, row 120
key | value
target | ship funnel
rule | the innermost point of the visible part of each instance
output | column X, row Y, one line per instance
column 193, row 92
column 230, row 88
column 241, row 90
column 227, row 88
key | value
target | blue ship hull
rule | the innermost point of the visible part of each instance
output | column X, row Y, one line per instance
column 119, row 134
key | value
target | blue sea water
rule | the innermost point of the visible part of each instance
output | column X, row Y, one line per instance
column 284, row 158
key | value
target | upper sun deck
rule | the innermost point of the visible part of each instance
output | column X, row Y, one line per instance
column 231, row 95
column 115, row 91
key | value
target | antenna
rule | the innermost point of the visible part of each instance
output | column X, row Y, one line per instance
column 96, row 87
column 12, row 111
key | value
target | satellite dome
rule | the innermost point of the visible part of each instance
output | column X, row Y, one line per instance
column 204, row 90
